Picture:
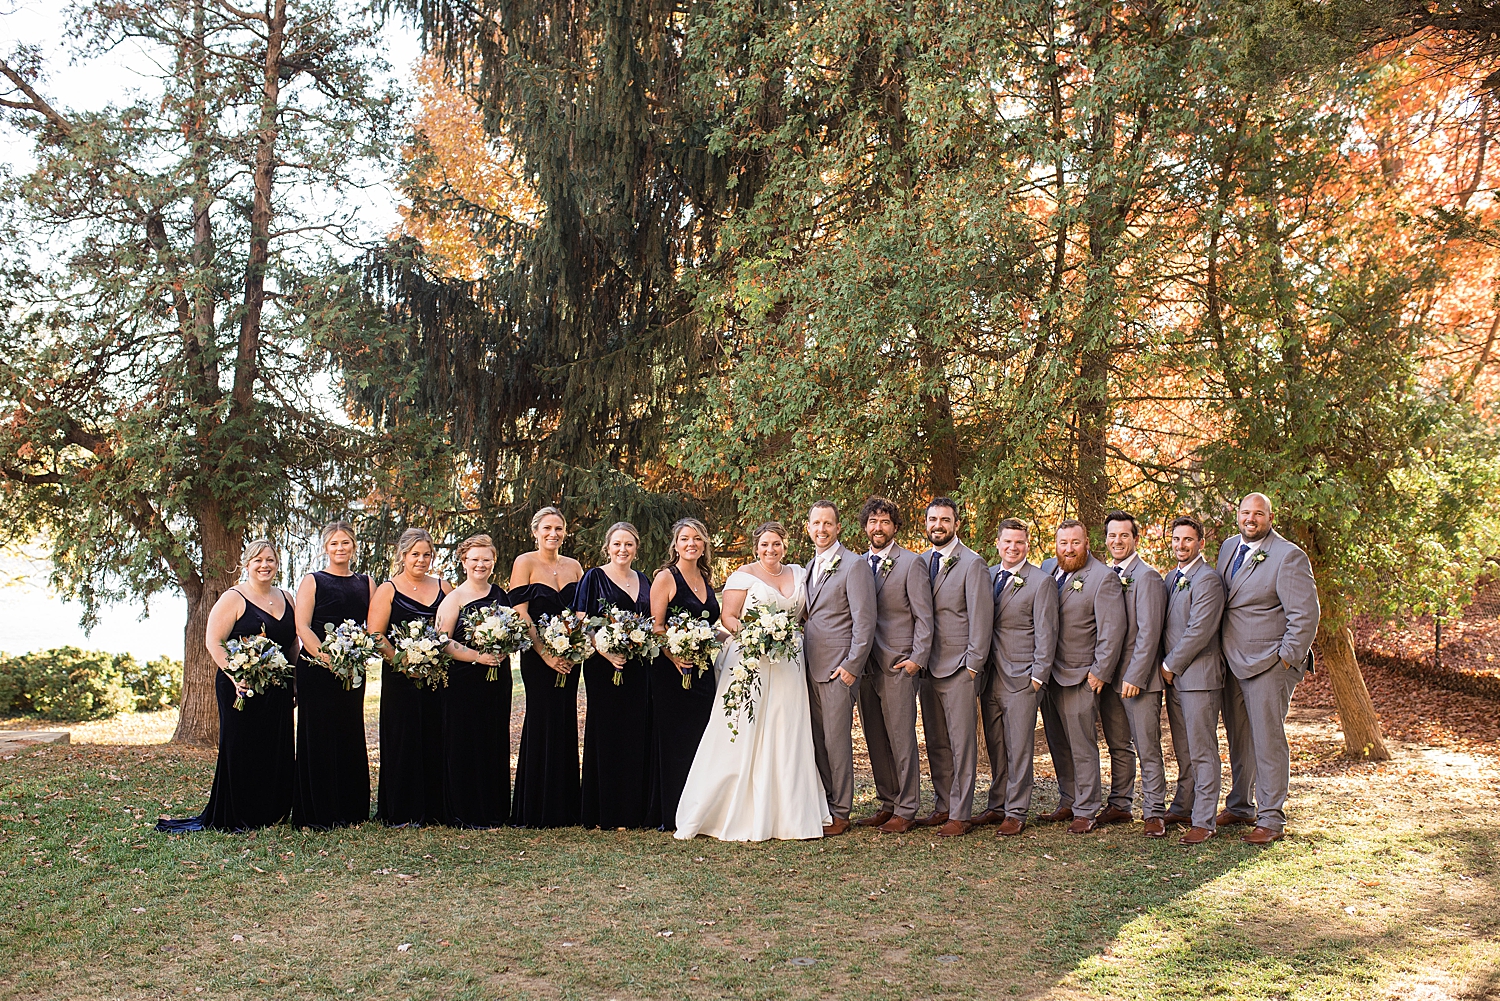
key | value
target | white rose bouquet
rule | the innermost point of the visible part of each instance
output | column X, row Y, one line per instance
column 769, row 632
column 694, row 641
column 565, row 635
column 497, row 629
column 624, row 634
column 352, row 652
column 255, row 664
column 419, row 652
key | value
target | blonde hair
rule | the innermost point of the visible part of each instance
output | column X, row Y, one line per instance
column 335, row 527
column 619, row 526
column 541, row 513
column 480, row 541
column 254, row 548
column 407, row 542
column 705, row 562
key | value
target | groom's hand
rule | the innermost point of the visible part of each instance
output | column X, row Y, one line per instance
column 844, row 676
column 909, row 666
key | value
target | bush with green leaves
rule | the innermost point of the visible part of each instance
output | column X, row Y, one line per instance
column 68, row 684
column 157, row 684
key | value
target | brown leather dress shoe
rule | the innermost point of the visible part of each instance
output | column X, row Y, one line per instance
column 1227, row 819
column 896, row 825
column 1177, row 818
column 954, row 829
column 1196, row 836
column 1082, row 825
column 1061, row 815
column 1261, row 836
column 1155, row 828
column 1010, row 827
column 839, row 826
column 933, row 819
column 989, row 817
column 1114, row 815
column 876, row 820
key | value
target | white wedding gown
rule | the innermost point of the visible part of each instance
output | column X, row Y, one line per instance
column 764, row 784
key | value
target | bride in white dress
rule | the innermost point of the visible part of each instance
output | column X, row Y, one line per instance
column 764, row 784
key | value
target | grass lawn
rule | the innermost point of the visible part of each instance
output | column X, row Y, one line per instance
column 1386, row 889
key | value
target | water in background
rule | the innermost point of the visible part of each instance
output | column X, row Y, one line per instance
column 32, row 617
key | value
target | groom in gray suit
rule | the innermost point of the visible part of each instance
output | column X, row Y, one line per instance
column 838, row 632
column 1130, row 706
column 962, row 619
column 1090, row 632
column 1021, row 652
column 1193, row 669
column 1270, row 621
column 888, row 688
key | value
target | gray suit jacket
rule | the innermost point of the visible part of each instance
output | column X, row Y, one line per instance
column 1090, row 624
column 903, row 612
column 1271, row 607
column 1145, row 608
column 963, row 612
column 1190, row 640
column 1025, row 636
column 839, row 620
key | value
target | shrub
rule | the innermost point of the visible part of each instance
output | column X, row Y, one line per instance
column 157, row 685
column 66, row 684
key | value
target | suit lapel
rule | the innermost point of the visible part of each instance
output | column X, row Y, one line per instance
column 1248, row 567
column 944, row 571
column 1010, row 585
column 822, row 578
column 895, row 558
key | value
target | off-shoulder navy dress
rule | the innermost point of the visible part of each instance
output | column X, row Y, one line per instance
column 333, row 767
column 678, row 716
column 547, row 793
column 255, row 773
column 476, row 736
column 617, row 727
column 411, row 735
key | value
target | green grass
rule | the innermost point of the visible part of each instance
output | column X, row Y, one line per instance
column 94, row 904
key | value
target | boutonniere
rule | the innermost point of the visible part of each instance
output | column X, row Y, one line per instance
column 1183, row 583
column 887, row 564
column 1017, row 581
column 832, row 563
column 1125, row 582
column 947, row 562
column 1259, row 557
column 1077, row 585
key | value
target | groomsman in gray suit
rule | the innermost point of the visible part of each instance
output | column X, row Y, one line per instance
column 1021, row 651
column 1194, row 672
column 962, row 618
column 888, row 687
column 1130, row 706
column 838, row 632
column 1090, row 635
column 1270, row 621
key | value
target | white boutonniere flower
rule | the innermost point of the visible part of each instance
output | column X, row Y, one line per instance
column 1183, row 583
column 1017, row 581
column 1125, row 582
column 887, row 564
column 1077, row 585
column 947, row 562
column 832, row 563
column 1259, row 557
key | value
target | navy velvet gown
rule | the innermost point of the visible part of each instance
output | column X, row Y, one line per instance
column 678, row 716
column 547, row 780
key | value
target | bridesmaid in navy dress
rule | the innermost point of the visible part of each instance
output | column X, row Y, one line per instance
column 333, row 768
column 254, row 775
column 411, row 717
column 679, row 716
column 476, row 711
column 542, row 583
column 617, row 727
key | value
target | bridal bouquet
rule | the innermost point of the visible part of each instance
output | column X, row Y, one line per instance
column 693, row 641
column 744, row 686
column 255, row 664
column 352, row 652
column 565, row 635
column 769, row 632
column 497, row 629
column 627, row 634
column 419, row 652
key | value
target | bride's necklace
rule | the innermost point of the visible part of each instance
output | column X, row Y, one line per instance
column 778, row 573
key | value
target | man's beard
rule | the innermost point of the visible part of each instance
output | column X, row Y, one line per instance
column 1254, row 538
column 878, row 540
column 938, row 537
column 1072, row 564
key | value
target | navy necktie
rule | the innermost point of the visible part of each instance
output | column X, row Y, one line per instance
column 1062, row 578
column 1120, row 572
column 1001, row 580
column 875, row 564
column 932, row 568
column 1239, row 559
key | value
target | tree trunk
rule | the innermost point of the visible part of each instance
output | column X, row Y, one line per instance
column 1362, row 738
column 198, row 723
